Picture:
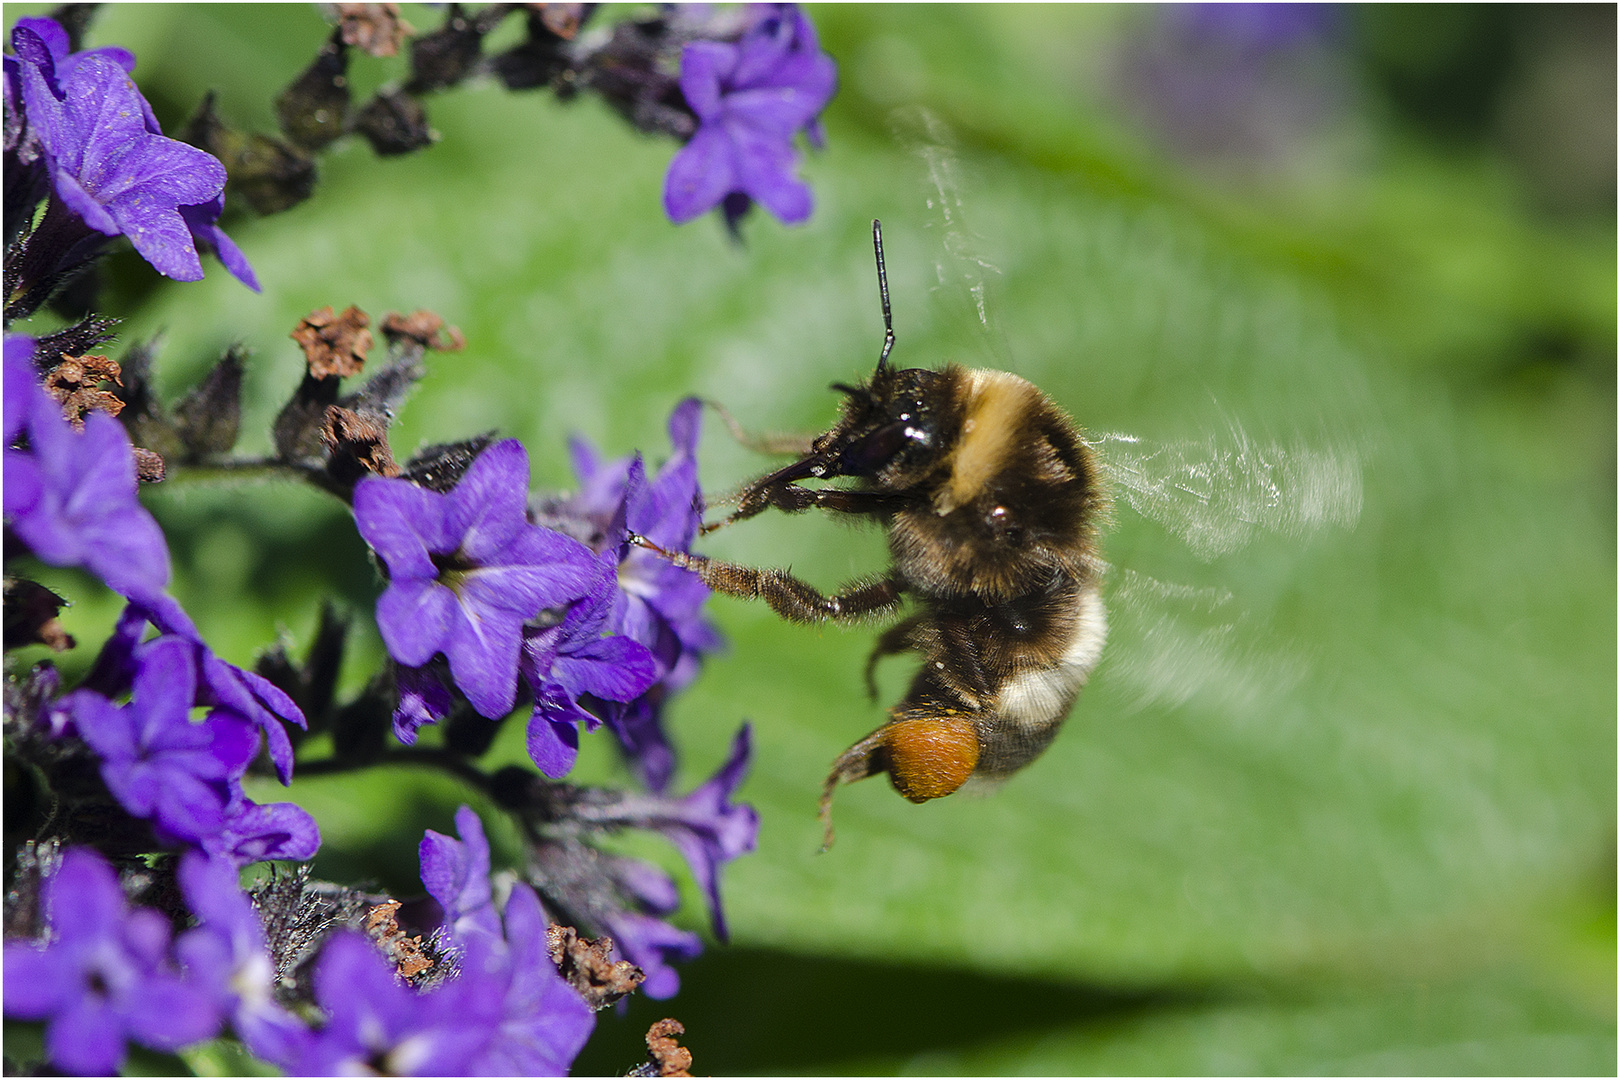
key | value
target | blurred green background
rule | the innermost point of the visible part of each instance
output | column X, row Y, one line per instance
column 1341, row 795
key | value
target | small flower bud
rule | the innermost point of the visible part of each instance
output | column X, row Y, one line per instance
column 446, row 56
column 209, row 417
column 30, row 616
column 313, row 107
column 440, row 466
column 356, row 447
column 149, row 466
column 75, row 383
column 425, row 328
column 394, row 123
column 588, row 966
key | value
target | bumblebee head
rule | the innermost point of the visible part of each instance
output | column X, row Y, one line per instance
column 894, row 427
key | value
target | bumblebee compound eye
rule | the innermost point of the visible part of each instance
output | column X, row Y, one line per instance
column 926, row 757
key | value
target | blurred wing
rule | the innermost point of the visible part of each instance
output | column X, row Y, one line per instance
column 1171, row 643
column 1217, row 493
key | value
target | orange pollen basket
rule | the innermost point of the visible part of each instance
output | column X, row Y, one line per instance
column 930, row 758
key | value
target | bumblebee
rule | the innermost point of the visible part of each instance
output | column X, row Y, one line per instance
column 991, row 501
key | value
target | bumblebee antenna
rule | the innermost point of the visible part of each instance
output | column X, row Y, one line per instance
column 883, row 291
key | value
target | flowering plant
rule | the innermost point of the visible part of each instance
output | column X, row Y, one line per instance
column 155, row 903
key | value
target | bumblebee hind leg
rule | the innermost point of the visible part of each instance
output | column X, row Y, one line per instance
column 927, row 756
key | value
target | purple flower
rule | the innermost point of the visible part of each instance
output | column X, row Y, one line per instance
column 573, row 658
column 245, row 693
column 652, row 945
column 228, row 956
column 375, row 1024
column 75, row 501
column 156, row 762
column 104, row 978
column 23, row 482
column 656, row 604
column 109, row 162
column 707, row 828
column 423, row 699
column 456, row 874
column 466, row 570
column 255, row 833
column 544, row 1024
column 750, row 98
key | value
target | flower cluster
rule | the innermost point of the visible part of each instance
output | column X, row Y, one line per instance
column 127, row 920
column 78, row 130
column 105, row 975
column 751, row 97
column 70, row 496
column 507, row 1012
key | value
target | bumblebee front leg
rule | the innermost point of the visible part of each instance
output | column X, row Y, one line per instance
column 794, row 600
column 792, row 499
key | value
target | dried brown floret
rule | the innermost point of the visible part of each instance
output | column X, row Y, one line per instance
column 405, row 953
column 587, row 966
column 357, row 444
column 334, row 344
column 561, row 19
column 149, row 467
column 424, row 327
column 671, row 1057
column 76, row 384
column 375, row 28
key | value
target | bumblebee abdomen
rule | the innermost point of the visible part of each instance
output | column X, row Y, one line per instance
column 1031, row 704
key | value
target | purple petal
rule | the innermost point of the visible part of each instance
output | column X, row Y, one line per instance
column 699, row 175
column 704, row 64
column 538, row 569
column 168, row 1014
column 483, row 649
column 276, row 831
column 403, row 524
column 86, row 1040
column 37, row 982
column 83, row 897
column 456, row 874
column 553, row 744
column 765, row 171
column 51, row 35
column 423, row 699
column 202, row 221
column 615, row 668
column 486, row 509
column 685, row 425
column 415, row 618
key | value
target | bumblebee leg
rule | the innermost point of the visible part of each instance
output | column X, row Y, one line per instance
column 896, row 639
column 865, row 758
column 927, row 756
column 773, row 443
column 791, row 499
column 789, row 597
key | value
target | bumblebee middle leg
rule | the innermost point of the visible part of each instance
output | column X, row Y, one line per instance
column 896, row 639
column 794, row 600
